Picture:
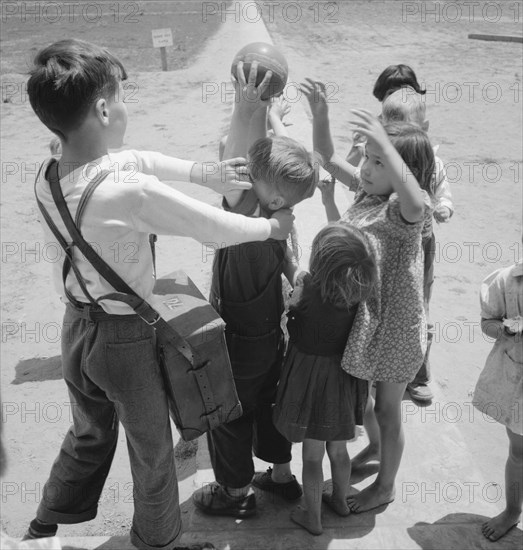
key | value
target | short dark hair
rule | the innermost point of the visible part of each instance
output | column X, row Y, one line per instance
column 67, row 78
column 393, row 78
column 414, row 147
column 284, row 163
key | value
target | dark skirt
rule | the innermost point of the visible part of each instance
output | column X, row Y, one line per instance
column 317, row 399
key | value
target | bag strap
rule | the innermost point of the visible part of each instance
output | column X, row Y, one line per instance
column 124, row 292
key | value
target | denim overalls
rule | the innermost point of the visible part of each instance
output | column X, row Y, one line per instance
column 256, row 345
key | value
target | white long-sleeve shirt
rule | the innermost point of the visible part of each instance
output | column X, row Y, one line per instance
column 126, row 207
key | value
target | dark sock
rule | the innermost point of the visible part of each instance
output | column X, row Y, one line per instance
column 39, row 529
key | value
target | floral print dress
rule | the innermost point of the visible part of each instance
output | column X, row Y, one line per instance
column 388, row 339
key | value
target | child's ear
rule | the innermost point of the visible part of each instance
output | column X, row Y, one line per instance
column 425, row 126
column 102, row 111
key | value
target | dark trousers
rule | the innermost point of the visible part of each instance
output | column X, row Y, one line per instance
column 429, row 252
column 256, row 364
column 112, row 374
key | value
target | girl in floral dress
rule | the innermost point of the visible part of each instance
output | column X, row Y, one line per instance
column 392, row 206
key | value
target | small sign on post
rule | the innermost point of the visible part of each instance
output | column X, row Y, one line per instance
column 161, row 39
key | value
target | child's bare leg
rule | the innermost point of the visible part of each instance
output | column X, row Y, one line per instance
column 372, row 450
column 340, row 468
column 498, row 526
column 388, row 414
column 310, row 517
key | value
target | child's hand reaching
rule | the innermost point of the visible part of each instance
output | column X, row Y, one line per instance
column 248, row 95
column 372, row 128
column 279, row 107
column 441, row 213
column 281, row 224
column 316, row 95
column 326, row 187
column 232, row 175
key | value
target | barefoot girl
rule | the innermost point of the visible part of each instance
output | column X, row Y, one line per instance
column 499, row 391
column 388, row 339
column 318, row 403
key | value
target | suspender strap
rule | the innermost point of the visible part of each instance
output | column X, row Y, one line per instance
column 68, row 249
column 124, row 292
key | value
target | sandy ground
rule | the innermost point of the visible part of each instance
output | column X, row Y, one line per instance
column 474, row 107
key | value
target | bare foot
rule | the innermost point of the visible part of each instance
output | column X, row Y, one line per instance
column 497, row 527
column 371, row 497
column 336, row 504
column 301, row 516
column 369, row 454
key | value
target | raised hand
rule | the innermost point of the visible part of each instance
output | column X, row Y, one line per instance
column 316, row 95
column 371, row 127
column 248, row 95
column 279, row 107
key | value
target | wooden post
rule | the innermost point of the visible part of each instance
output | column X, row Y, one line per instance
column 161, row 39
column 163, row 55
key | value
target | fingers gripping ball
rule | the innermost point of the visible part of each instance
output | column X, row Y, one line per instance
column 269, row 59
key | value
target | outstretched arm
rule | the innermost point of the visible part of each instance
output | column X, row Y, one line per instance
column 218, row 176
column 338, row 167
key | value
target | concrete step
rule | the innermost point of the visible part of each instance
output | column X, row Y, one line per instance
column 441, row 499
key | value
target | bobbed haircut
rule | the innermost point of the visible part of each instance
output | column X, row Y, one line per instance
column 67, row 78
column 342, row 265
column 404, row 105
column 285, row 164
column 414, row 147
column 393, row 78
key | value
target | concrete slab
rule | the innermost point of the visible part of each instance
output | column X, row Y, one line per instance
column 441, row 499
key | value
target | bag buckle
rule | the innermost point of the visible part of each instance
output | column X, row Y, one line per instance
column 154, row 321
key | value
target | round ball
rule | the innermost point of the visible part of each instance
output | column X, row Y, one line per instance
column 269, row 59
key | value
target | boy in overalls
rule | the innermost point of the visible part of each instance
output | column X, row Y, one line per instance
column 247, row 292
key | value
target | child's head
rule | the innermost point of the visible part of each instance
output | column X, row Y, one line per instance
column 393, row 78
column 71, row 81
column 414, row 147
column 342, row 265
column 405, row 105
column 283, row 172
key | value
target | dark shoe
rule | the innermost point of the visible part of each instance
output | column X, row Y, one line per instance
column 214, row 500
column 289, row 491
column 420, row 392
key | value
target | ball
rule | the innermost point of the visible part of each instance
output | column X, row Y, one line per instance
column 269, row 59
